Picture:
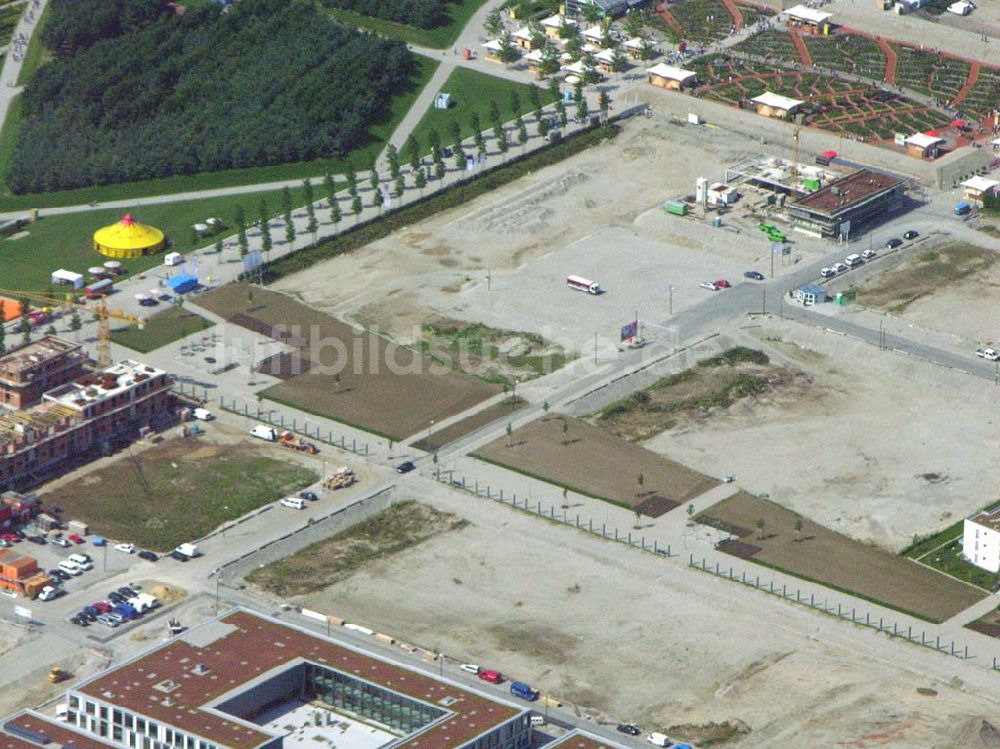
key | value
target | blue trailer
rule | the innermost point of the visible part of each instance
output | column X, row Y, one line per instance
column 524, row 691
column 183, row 283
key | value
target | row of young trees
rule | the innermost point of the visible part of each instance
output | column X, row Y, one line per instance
column 268, row 82
column 424, row 14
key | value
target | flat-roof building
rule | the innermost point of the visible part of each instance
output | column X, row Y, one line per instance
column 670, row 77
column 981, row 539
column 810, row 19
column 846, row 204
column 978, row 189
column 29, row 370
column 924, row 145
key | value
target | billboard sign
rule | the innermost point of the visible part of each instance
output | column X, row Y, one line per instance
column 22, row 611
column 251, row 261
column 631, row 330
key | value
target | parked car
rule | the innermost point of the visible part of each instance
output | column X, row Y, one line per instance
column 710, row 285
column 125, row 548
column 472, row 668
column 406, row 467
column 723, row 284
column 37, row 540
column 839, row 267
column 893, row 243
column 660, row 740
column 488, row 674
column 754, row 275
column 102, row 606
column 76, row 538
column 90, row 612
column 629, row 728
column 311, row 496
column 149, row 556
column 911, row 234
column 99, row 541
column 70, row 567
column 61, row 542
column 80, row 621
column 116, row 598
column 868, row 254
column 128, row 591
column 828, row 272
column 58, row 575
column 988, row 353
column 108, row 620
column 179, row 556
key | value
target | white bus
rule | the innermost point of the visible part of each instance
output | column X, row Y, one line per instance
column 582, row 284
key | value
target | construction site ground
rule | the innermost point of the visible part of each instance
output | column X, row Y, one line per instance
column 645, row 640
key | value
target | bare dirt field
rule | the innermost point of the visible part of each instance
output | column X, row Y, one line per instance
column 816, row 553
column 644, row 639
column 598, row 214
column 353, row 376
column 879, row 447
column 933, row 286
column 573, row 454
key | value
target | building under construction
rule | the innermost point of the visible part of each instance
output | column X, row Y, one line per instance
column 848, row 204
column 80, row 415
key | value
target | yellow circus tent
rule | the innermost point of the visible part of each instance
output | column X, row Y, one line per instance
column 128, row 239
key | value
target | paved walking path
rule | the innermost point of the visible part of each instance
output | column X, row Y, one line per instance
column 800, row 47
column 12, row 64
column 967, row 86
column 735, row 12
column 890, row 60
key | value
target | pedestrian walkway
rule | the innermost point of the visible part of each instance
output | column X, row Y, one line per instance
column 736, row 13
column 890, row 60
column 800, row 47
column 969, row 83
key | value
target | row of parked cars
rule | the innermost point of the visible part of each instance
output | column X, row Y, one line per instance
column 121, row 606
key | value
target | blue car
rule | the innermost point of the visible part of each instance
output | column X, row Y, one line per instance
column 99, row 541
column 126, row 611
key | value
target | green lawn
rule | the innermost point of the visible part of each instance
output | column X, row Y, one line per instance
column 162, row 328
column 943, row 551
column 472, row 91
column 360, row 158
column 65, row 241
column 439, row 38
column 179, row 490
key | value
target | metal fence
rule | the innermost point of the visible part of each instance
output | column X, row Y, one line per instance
column 841, row 611
column 536, row 507
column 314, row 530
column 277, row 419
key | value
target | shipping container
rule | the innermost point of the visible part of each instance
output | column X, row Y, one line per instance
column 675, row 208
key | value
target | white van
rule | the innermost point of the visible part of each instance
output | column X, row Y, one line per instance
column 82, row 561
column 853, row 261
column 538, row 720
column 173, row 258
column 659, row 739
column 266, row 433
column 294, row 502
column 202, row 414
column 70, row 568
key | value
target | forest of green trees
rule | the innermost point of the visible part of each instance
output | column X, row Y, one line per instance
column 424, row 14
column 138, row 93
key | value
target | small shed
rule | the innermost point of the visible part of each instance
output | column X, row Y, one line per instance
column 605, row 59
column 594, row 35
column 775, row 105
column 522, row 38
column 633, row 47
column 976, row 189
column 552, row 24
column 810, row 294
column 442, row 100
column 809, row 19
column 492, row 50
column 924, row 145
column 670, row 77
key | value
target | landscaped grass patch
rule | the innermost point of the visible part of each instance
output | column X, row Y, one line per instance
column 923, row 274
column 444, row 35
column 570, row 453
column 817, row 553
column 164, row 327
column 472, row 92
column 326, row 562
column 178, row 491
column 66, row 240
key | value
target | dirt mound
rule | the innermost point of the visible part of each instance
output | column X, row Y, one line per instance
column 977, row 733
column 166, row 594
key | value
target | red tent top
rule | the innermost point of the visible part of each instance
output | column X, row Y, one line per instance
column 127, row 220
column 958, row 123
column 933, row 133
column 829, row 154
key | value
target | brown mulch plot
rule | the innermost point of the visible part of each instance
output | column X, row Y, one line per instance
column 656, row 505
column 988, row 624
column 383, row 387
column 284, row 366
column 591, row 461
column 738, row 549
column 449, row 434
column 820, row 554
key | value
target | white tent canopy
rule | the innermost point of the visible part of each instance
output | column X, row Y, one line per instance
column 62, row 276
column 672, row 73
column 777, row 101
column 807, row 14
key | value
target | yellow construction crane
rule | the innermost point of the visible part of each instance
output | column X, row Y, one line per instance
column 100, row 311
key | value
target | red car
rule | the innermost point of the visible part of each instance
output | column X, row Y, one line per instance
column 493, row 677
column 723, row 284
column 102, row 606
column 76, row 538
column 10, row 538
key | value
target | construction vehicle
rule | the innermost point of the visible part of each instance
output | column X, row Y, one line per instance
column 99, row 310
column 341, row 479
column 287, row 439
column 57, row 674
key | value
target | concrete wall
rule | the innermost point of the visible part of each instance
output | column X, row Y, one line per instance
column 336, row 522
column 288, row 684
column 775, row 137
